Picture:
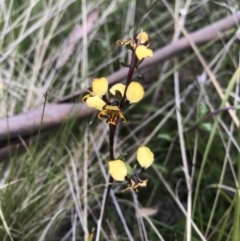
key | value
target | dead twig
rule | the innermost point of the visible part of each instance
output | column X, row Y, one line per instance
column 30, row 122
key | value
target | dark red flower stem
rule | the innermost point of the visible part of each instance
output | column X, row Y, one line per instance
column 112, row 129
column 129, row 76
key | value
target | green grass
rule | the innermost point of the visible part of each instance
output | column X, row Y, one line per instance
column 53, row 189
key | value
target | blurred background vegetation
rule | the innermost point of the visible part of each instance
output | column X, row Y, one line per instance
column 53, row 190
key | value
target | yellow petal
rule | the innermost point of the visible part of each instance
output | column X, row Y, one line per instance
column 112, row 108
column 120, row 87
column 143, row 52
column 144, row 37
column 117, row 170
column 100, row 86
column 95, row 102
column 145, row 157
column 135, row 92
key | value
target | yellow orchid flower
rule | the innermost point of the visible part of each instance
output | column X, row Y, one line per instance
column 96, row 98
column 142, row 41
column 120, row 170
